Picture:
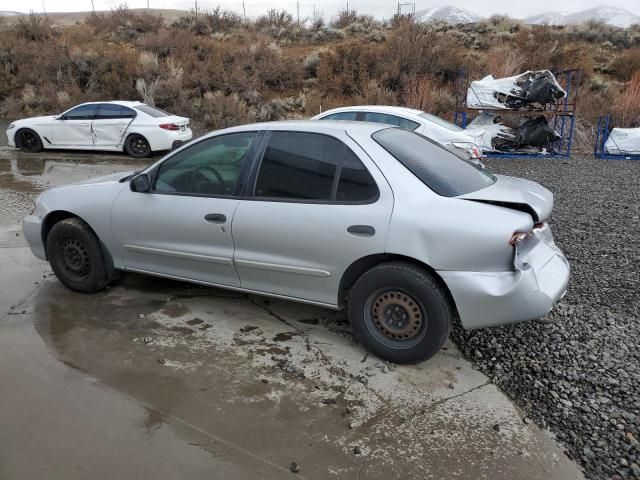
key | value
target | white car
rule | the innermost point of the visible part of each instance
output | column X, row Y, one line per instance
column 427, row 124
column 133, row 127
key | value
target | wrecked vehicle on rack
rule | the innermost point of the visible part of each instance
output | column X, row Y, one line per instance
column 534, row 135
column 531, row 90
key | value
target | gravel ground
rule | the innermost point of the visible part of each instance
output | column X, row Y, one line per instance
column 580, row 375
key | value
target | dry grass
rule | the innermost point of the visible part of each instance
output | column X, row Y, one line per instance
column 221, row 70
column 627, row 105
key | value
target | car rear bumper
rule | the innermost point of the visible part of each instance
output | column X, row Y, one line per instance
column 486, row 299
column 169, row 138
column 32, row 230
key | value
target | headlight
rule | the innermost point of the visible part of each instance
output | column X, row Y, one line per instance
column 11, row 125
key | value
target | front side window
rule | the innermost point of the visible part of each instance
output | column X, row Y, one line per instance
column 387, row 119
column 341, row 116
column 438, row 168
column 210, row 167
column 299, row 166
column 83, row 112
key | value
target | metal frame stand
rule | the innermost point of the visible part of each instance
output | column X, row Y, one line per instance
column 602, row 135
column 560, row 115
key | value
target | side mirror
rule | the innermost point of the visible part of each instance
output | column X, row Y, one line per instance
column 59, row 117
column 140, row 183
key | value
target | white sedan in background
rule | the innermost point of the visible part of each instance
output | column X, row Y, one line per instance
column 427, row 124
column 133, row 127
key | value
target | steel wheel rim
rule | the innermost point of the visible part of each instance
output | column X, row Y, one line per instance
column 138, row 145
column 75, row 259
column 395, row 318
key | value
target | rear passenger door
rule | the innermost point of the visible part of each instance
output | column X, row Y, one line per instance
column 110, row 124
column 315, row 204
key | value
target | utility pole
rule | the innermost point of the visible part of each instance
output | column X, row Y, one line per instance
column 298, row 10
column 244, row 13
column 196, row 8
column 93, row 7
column 147, row 4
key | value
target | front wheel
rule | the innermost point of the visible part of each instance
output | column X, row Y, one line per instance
column 400, row 313
column 137, row 146
column 28, row 141
column 75, row 256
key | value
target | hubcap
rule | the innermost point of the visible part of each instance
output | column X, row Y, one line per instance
column 397, row 315
column 75, row 258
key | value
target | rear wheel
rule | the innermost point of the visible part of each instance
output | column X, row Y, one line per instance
column 28, row 141
column 137, row 146
column 400, row 313
column 75, row 256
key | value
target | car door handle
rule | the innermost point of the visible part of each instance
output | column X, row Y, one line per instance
column 215, row 217
column 362, row 230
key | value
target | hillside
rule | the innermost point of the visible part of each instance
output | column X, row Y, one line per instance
column 615, row 16
column 220, row 71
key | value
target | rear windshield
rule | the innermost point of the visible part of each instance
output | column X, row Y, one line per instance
column 442, row 171
column 439, row 121
column 152, row 111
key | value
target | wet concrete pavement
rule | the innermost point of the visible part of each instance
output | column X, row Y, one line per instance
column 158, row 379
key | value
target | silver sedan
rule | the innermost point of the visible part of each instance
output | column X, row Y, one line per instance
column 402, row 232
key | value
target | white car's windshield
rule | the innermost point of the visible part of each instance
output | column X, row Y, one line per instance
column 438, row 168
column 441, row 122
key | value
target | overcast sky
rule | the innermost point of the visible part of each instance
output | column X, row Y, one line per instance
column 383, row 8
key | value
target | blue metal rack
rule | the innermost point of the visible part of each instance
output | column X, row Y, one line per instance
column 561, row 114
column 602, row 135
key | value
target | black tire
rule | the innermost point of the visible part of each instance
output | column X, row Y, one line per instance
column 400, row 313
column 76, row 257
column 137, row 146
column 28, row 141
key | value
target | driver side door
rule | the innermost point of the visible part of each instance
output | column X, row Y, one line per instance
column 181, row 228
column 73, row 129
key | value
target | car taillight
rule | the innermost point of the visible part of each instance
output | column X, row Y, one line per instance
column 518, row 237
column 169, row 126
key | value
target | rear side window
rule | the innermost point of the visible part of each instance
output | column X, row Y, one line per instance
column 439, row 169
column 341, row 116
column 152, row 111
column 83, row 112
column 355, row 183
column 390, row 120
column 304, row 166
column 109, row 110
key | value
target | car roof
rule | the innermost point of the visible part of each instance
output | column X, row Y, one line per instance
column 328, row 127
column 376, row 108
column 125, row 103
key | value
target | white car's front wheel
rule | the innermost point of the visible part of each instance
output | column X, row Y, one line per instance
column 137, row 146
column 28, row 141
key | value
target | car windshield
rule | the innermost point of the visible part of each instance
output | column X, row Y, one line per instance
column 441, row 170
column 441, row 122
column 152, row 111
